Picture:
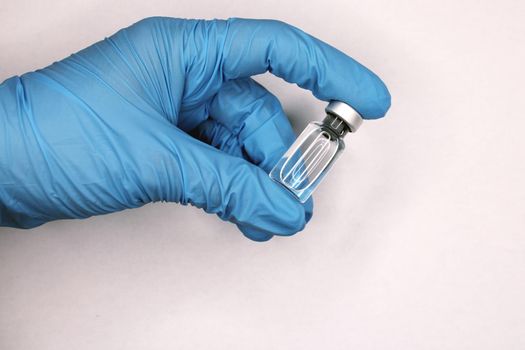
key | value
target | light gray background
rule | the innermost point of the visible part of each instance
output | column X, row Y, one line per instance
column 418, row 237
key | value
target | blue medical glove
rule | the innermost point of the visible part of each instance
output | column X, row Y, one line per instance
column 165, row 110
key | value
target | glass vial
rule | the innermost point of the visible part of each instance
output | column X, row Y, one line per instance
column 307, row 161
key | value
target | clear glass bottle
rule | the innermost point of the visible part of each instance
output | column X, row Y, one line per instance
column 307, row 161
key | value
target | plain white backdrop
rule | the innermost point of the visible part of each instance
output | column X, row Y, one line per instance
column 418, row 235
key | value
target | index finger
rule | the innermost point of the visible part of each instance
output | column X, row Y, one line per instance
column 256, row 46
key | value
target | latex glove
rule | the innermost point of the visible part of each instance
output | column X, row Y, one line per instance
column 165, row 110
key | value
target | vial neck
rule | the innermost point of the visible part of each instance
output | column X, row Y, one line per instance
column 336, row 124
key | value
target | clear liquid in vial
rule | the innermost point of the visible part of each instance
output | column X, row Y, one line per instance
column 308, row 160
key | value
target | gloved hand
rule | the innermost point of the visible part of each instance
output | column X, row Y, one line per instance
column 165, row 110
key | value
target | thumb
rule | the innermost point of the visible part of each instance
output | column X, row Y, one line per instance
column 237, row 191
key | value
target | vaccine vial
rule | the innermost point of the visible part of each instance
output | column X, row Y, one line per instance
column 308, row 160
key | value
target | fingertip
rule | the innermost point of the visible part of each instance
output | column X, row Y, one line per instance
column 380, row 103
column 368, row 95
column 293, row 216
column 286, row 215
column 255, row 234
column 308, row 209
column 386, row 100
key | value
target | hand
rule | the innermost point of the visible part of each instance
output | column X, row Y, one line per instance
column 165, row 110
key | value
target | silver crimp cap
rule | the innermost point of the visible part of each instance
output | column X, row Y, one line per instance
column 346, row 113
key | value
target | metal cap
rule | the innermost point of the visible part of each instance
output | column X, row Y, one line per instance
column 346, row 113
